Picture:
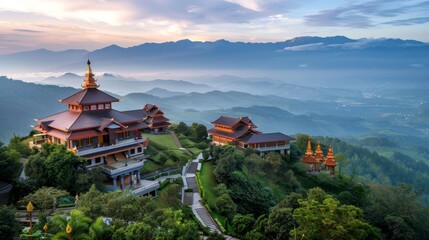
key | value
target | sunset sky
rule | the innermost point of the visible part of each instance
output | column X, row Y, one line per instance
column 82, row 24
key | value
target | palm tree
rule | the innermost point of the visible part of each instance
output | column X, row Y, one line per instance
column 79, row 226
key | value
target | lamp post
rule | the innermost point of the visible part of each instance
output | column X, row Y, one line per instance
column 30, row 211
column 69, row 231
column 45, row 228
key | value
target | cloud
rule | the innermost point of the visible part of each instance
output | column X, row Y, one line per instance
column 305, row 47
column 369, row 14
column 26, row 30
column 408, row 21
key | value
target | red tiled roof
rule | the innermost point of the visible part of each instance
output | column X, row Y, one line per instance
column 236, row 134
column 230, row 121
column 309, row 159
column 69, row 120
column 160, row 119
column 89, row 96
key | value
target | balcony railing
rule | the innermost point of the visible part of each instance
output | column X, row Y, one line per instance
column 120, row 144
column 146, row 187
column 273, row 148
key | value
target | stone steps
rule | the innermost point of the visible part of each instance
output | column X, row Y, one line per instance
column 193, row 167
column 207, row 219
column 192, row 183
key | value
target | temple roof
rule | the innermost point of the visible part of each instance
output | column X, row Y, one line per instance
column 330, row 159
column 236, row 134
column 89, row 96
column 139, row 113
column 309, row 159
column 269, row 137
column 70, row 121
column 230, row 121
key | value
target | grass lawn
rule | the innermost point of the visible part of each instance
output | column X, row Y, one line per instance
column 168, row 196
column 208, row 180
column 162, row 139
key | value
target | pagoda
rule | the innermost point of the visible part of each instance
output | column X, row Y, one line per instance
column 316, row 162
column 242, row 133
column 153, row 117
column 92, row 129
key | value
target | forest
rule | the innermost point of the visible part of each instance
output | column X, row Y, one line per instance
column 253, row 197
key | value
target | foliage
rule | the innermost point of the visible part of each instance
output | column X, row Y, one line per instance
column 320, row 216
column 17, row 144
column 206, row 155
column 121, row 206
column 79, row 223
column 243, row 223
column 9, row 163
column 54, row 166
column 397, row 212
column 8, row 224
column 196, row 131
column 44, row 197
column 226, row 206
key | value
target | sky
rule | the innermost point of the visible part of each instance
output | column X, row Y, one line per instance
column 92, row 24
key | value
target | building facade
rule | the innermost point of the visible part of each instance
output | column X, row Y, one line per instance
column 242, row 133
column 107, row 138
column 317, row 162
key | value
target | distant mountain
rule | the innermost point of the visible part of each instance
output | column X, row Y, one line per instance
column 21, row 103
column 163, row 93
column 304, row 52
column 122, row 85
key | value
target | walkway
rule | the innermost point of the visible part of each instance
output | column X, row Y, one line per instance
column 179, row 145
column 193, row 198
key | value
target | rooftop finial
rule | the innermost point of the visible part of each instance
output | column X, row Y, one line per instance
column 90, row 81
column 309, row 150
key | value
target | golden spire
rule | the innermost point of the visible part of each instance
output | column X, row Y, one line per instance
column 90, row 81
column 319, row 149
column 309, row 150
column 330, row 159
column 331, row 153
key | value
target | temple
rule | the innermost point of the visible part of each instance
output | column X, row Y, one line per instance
column 241, row 132
column 316, row 162
column 153, row 117
column 107, row 138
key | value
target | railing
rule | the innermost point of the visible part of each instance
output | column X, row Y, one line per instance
column 146, row 189
column 128, row 167
column 111, row 147
column 270, row 148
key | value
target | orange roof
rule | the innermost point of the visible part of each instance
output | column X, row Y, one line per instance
column 90, row 81
column 330, row 159
column 319, row 152
column 309, row 150
column 309, row 159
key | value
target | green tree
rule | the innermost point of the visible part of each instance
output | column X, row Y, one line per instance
column 320, row 216
column 243, row 223
column 8, row 224
column 15, row 143
column 280, row 223
column 206, row 155
column 44, row 197
column 9, row 163
column 274, row 160
column 79, row 223
column 226, row 206
column 396, row 210
column 54, row 166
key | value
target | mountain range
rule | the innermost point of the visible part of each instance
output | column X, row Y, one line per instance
column 314, row 53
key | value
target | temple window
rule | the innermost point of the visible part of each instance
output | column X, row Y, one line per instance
column 89, row 141
column 107, row 105
column 85, row 108
column 79, row 143
column 100, row 106
column 93, row 107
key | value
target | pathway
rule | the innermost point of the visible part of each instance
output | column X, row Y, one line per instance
column 178, row 144
column 197, row 208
